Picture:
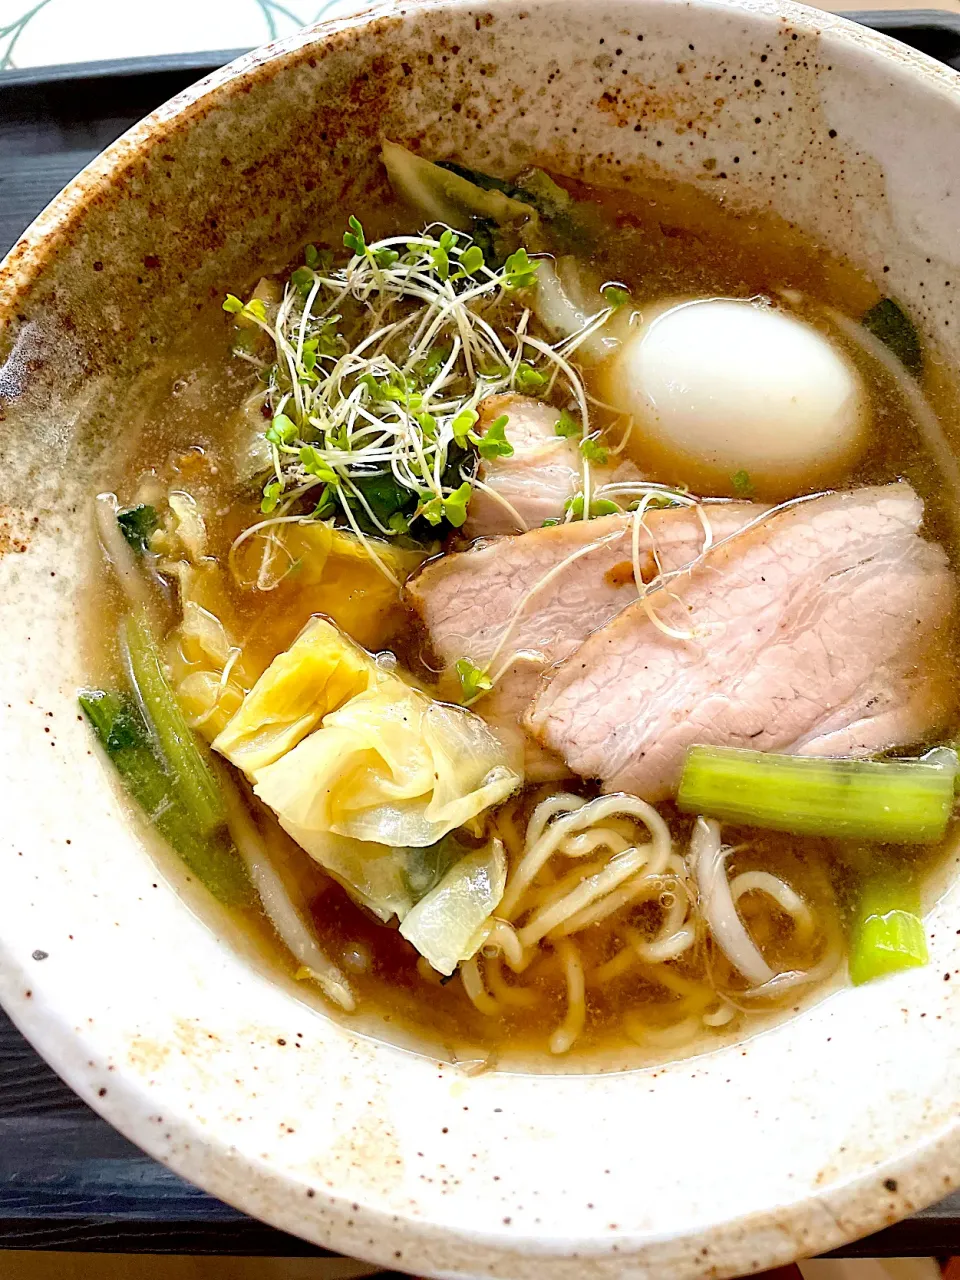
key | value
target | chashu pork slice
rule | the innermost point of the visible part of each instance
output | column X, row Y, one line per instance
column 530, row 486
column 824, row 629
column 539, row 594
column 535, row 482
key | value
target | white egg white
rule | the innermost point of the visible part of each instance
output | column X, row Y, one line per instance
column 724, row 386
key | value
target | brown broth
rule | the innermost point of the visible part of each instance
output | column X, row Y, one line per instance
column 672, row 241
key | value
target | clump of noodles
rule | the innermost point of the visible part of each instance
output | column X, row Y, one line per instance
column 718, row 903
column 580, row 862
column 610, row 862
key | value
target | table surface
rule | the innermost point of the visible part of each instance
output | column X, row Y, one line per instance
column 40, row 32
column 68, row 1181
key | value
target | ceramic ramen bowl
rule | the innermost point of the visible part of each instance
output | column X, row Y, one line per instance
column 832, row 1124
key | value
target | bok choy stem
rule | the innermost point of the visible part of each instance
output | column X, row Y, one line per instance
column 890, row 801
column 125, row 736
column 191, row 774
column 887, row 933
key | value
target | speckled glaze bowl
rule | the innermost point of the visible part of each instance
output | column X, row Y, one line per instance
column 829, row 1126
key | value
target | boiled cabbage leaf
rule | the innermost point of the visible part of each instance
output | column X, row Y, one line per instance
column 373, row 874
column 320, row 671
column 448, row 925
column 565, row 303
column 370, row 776
column 209, row 672
column 387, row 880
column 311, row 567
column 390, row 766
column 443, row 895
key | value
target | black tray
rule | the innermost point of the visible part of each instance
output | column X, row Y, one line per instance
column 67, row 1180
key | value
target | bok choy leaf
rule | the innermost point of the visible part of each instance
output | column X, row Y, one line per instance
column 445, row 196
column 192, row 775
column 448, row 925
column 123, row 733
column 891, row 324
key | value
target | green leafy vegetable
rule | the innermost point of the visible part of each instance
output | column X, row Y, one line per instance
column 577, row 226
column 494, row 443
column 315, row 465
column 527, row 379
column 444, row 194
column 892, row 801
column 424, row 868
column 462, row 426
column 473, row 679
column 327, row 504
column 471, row 260
column 192, row 776
column 570, row 222
column 519, row 272
column 118, row 723
column 385, row 496
column 272, row 492
column 598, row 507
column 122, row 731
column 452, row 507
column 593, row 451
column 282, row 431
column 432, row 510
column 354, row 238
column 567, row 425
column 388, row 444
column 549, row 198
column 654, row 502
column 427, row 424
column 891, row 324
column 137, row 524
column 325, row 343
column 448, row 925
column 742, row 484
column 253, row 311
column 615, row 296
column 485, row 181
column 308, row 358
column 434, row 361
column 303, row 279
column 441, row 254
column 491, row 241
column 887, row 933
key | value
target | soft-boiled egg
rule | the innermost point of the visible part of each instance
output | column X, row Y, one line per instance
column 718, row 387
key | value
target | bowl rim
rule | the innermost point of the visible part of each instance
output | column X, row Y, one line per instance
column 810, row 1224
